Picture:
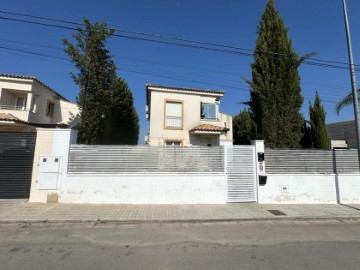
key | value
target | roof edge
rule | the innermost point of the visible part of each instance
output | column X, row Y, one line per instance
column 198, row 90
column 5, row 75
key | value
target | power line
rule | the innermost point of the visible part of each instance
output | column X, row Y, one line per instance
column 322, row 64
column 34, row 53
column 337, row 87
column 146, row 73
column 170, row 37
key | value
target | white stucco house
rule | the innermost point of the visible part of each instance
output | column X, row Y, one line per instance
column 27, row 103
column 186, row 117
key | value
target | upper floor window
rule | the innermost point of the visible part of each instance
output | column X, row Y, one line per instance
column 208, row 111
column 173, row 114
column 33, row 104
column 50, row 108
column 20, row 103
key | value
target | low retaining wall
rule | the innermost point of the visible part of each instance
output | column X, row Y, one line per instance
column 145, row 189
column 310, row 188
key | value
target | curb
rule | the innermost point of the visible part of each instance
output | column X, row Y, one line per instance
column 190, row 221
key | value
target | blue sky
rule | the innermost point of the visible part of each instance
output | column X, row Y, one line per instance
column 314, row 26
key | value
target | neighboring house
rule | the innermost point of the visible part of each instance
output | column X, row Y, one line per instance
column 342, row 134
column 26, row 103
column 186, row 117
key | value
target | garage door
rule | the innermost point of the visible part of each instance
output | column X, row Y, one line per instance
column 16, row 161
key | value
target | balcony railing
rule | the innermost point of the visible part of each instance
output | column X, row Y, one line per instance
column 11, row 107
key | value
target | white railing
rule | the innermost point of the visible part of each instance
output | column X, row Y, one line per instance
column 173, row 121
column 17, row 108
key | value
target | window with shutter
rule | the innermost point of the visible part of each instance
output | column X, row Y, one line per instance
column 173, row 114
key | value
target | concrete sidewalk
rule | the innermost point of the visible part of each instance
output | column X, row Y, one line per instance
column 21, row 211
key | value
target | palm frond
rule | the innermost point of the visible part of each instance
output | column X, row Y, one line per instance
column 346, row 101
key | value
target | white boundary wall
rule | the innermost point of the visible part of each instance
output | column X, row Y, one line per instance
column 129, row 189
column 146, row 189
column 310, row 188
column 174, row 188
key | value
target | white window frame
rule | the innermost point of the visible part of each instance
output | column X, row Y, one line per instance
column 179, row 119
column 215, row 111
column 173, row 143
column 20, row 108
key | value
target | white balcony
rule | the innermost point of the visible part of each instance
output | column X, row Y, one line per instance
column 16, row 108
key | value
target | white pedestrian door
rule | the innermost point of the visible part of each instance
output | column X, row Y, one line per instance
column 241, row 173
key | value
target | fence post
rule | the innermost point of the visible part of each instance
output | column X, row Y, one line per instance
column 259, row 160
column 225, row 155
column 50, row 143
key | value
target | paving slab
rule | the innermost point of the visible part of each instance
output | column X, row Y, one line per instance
column 23, row 211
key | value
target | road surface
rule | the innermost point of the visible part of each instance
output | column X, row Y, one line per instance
column 244, row 245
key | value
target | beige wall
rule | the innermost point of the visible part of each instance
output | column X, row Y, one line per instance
column 66, row 108
column 9, row 98
column 225, row 118
column 37, row 99
column 191, row 118
column 44, row 146
column 50, row 143
column 42, row 95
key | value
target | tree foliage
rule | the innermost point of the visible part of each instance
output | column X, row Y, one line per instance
column 319, row 135
column 306, row 140
column 122, row 124
column 105, row 101
column 346, row 101
column 275, row 97
column 244, row 128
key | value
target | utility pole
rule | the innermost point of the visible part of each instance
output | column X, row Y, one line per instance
column 353, row 81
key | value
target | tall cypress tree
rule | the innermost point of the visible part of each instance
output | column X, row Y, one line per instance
column 122, row 123
column 319, row 135
column 105, row 101
column 244, row 128
column 275, row 97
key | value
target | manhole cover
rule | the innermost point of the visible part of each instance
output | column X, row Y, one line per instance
column 277, row 213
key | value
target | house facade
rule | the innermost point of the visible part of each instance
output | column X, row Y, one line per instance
column 26, row 103
column 186, row 117
column 342, row 134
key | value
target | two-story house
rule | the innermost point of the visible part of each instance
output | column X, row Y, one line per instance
column 26, row 103
column 186, row 117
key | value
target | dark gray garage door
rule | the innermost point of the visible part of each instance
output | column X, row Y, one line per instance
column 16, row 160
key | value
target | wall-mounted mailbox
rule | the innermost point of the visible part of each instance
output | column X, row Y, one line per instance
column 261, row 157
column 262, row 180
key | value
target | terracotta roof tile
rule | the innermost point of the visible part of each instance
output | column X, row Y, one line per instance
column 10, row 117
column 209, row 127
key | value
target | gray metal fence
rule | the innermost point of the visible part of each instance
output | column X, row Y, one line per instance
column 105, row 159
column 302, row 161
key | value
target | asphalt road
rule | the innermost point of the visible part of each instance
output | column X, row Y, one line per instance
column 248, row 245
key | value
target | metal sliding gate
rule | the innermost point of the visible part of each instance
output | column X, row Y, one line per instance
column 16, row 162
column 241, row 173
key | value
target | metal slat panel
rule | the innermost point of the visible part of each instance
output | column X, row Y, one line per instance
column 346, row 161
column 106, row 159
column 16, row 161
column 240, row 173
column 302, row 161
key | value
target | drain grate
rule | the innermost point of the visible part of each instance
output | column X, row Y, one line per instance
column 277, row 213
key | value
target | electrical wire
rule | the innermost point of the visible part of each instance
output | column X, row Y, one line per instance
column 323, row 63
